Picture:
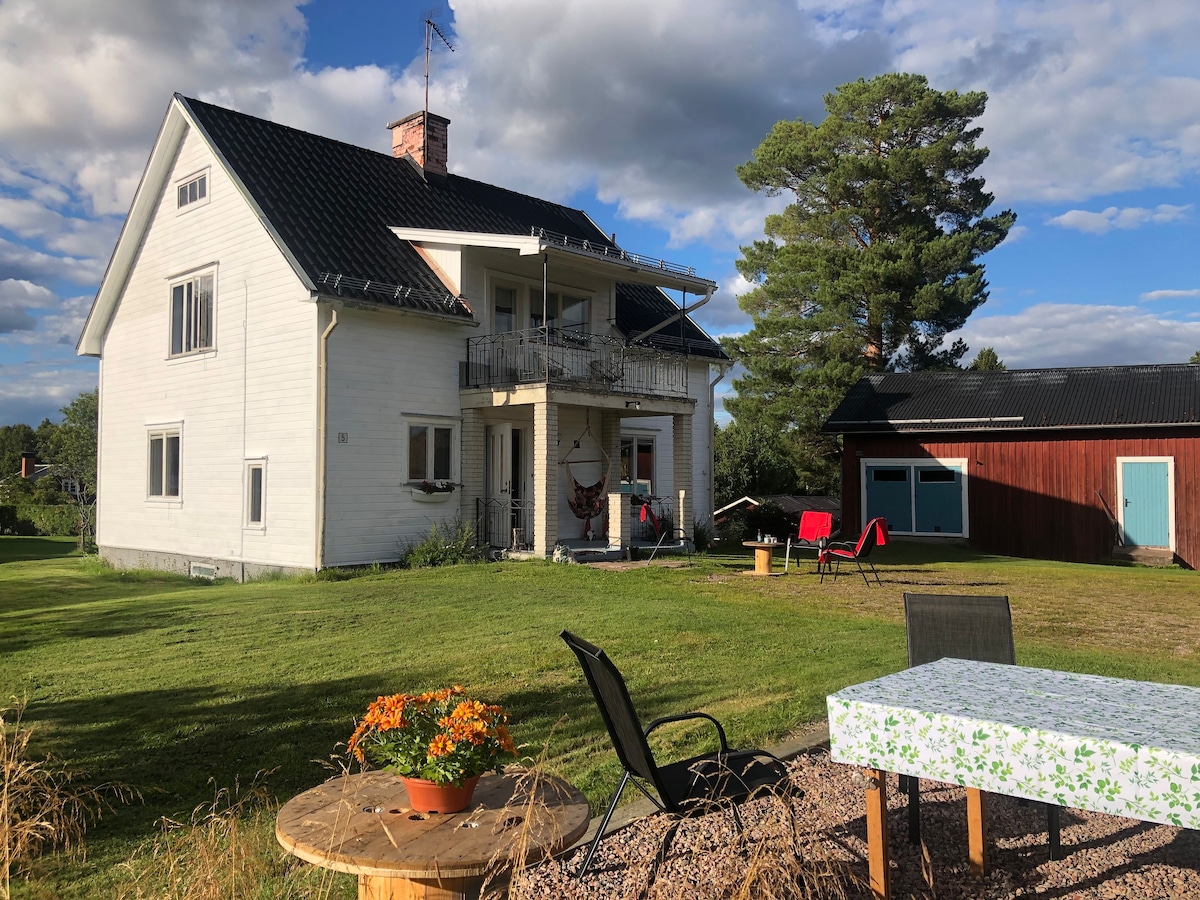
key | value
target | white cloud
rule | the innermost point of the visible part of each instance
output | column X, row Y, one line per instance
column 1169, row 294
column 1066, row 334
column 16, row 299
column 1115, row 218
column 22, row 262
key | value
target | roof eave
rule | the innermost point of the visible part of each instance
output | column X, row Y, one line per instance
column 617, row 268
column 141, row 210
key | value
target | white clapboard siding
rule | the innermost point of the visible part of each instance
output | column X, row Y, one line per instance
column 385, row 368
column 254, row 395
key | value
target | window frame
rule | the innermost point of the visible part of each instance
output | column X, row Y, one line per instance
column 961, row 464
column 203, row 175
column 527, row 303
column 164, row 431
column 631, row 486
column 183, row 281
column 453, row 425
column 258, row 463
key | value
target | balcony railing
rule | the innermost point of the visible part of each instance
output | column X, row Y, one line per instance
column 588, row 362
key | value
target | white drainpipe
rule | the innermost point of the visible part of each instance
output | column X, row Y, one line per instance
column 683, row 310
column 321, row 426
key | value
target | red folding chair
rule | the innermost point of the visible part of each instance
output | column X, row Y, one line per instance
column 874, row 535
column 814, row 533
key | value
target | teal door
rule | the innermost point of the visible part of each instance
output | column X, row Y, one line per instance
column 889, row 494
column 938, row 492
column 1146, row 504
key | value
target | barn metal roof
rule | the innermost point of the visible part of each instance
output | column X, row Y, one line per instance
column 1021, row 399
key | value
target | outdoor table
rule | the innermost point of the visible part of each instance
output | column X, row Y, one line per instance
column 1128, row 748
column 763, row 551
column 363, row 824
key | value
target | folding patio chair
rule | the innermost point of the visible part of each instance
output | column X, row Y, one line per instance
column 813, row 534
column 961, row 627
column 685, row 788
column 874, row 535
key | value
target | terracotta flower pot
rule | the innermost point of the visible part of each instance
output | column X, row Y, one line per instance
column 431, row 797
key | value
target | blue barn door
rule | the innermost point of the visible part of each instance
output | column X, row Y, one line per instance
column 1146, row 503
column 889, row 494
column 938, row 492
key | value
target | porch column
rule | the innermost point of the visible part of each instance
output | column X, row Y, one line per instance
column 471, row 466
column 681, row 434
column 545, row 477
column 610, row 440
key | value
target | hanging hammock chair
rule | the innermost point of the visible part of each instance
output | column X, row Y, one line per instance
column 587, row 501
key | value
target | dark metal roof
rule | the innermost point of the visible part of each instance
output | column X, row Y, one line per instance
column 332, row 204
column 1091, row 397
column 640, row 307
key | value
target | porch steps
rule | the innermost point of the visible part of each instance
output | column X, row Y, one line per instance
column 1146, row 556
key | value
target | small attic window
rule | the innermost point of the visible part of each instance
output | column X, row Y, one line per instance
column 194, row 191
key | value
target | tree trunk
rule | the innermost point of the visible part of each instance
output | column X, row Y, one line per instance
column 874, row 349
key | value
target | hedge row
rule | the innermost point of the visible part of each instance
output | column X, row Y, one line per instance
column 30, row 519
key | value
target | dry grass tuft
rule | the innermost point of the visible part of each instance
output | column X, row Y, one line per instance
column 225, row 849
column 41, row 806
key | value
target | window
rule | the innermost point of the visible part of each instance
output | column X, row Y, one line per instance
column 637, row 465
column 163, row 468
column 431, row 452
column 193, row 191
column 570, row 313
column 505, row 318
column 192, row 315
column 256, row 477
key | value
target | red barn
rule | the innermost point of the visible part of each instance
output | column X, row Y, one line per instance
column 1080, row 464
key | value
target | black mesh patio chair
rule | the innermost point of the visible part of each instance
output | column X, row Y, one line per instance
column 961, row 627
column 685, row 788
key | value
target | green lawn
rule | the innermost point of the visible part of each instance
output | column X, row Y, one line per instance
column 166, row 684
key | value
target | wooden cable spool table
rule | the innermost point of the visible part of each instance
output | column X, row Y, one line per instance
column 763, row 552
column 363, row 825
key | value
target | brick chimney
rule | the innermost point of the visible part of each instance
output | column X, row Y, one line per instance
column 423, row 136
column 28, row 464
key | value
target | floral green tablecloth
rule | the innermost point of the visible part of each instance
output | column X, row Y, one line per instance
column 1131, row 748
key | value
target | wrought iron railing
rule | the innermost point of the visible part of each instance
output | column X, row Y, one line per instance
column 575, row 359
column 504, row 523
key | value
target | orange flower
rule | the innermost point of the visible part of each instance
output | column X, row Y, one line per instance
column 441, row 745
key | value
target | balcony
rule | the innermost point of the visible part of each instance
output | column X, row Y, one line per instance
column 575, row 360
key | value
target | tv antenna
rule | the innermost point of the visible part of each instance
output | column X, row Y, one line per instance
column 431, row 29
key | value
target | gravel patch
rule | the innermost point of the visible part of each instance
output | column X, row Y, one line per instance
column 815, row 846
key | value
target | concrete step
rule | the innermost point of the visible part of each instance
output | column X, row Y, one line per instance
column 1146, row 556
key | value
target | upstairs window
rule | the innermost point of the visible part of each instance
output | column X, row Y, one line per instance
column 506, row 310
column 192, row 315
column 193, row 191
column 564, row 311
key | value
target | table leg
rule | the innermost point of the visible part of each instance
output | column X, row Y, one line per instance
column 977, row 832
column 877, row 837
column 762, row 560
column 382, row 887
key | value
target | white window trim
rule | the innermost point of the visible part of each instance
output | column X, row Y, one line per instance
column 434, row 421
column 1120, row 498
column 164, row 428
column 206, row 173
column 256, row 462
column 946, row 462
column 209, row 268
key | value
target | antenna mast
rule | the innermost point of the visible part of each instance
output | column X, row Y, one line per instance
column 430, row 30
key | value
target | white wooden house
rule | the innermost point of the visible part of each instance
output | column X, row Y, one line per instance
column 310, row 351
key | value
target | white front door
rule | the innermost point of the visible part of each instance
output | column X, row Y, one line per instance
column 508, row 522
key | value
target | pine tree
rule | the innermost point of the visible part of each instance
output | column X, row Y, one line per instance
column 874, row 261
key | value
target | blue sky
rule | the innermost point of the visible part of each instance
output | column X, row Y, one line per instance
column 637, row 113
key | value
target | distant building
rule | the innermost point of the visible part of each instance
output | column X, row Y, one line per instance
column 1076, row 464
